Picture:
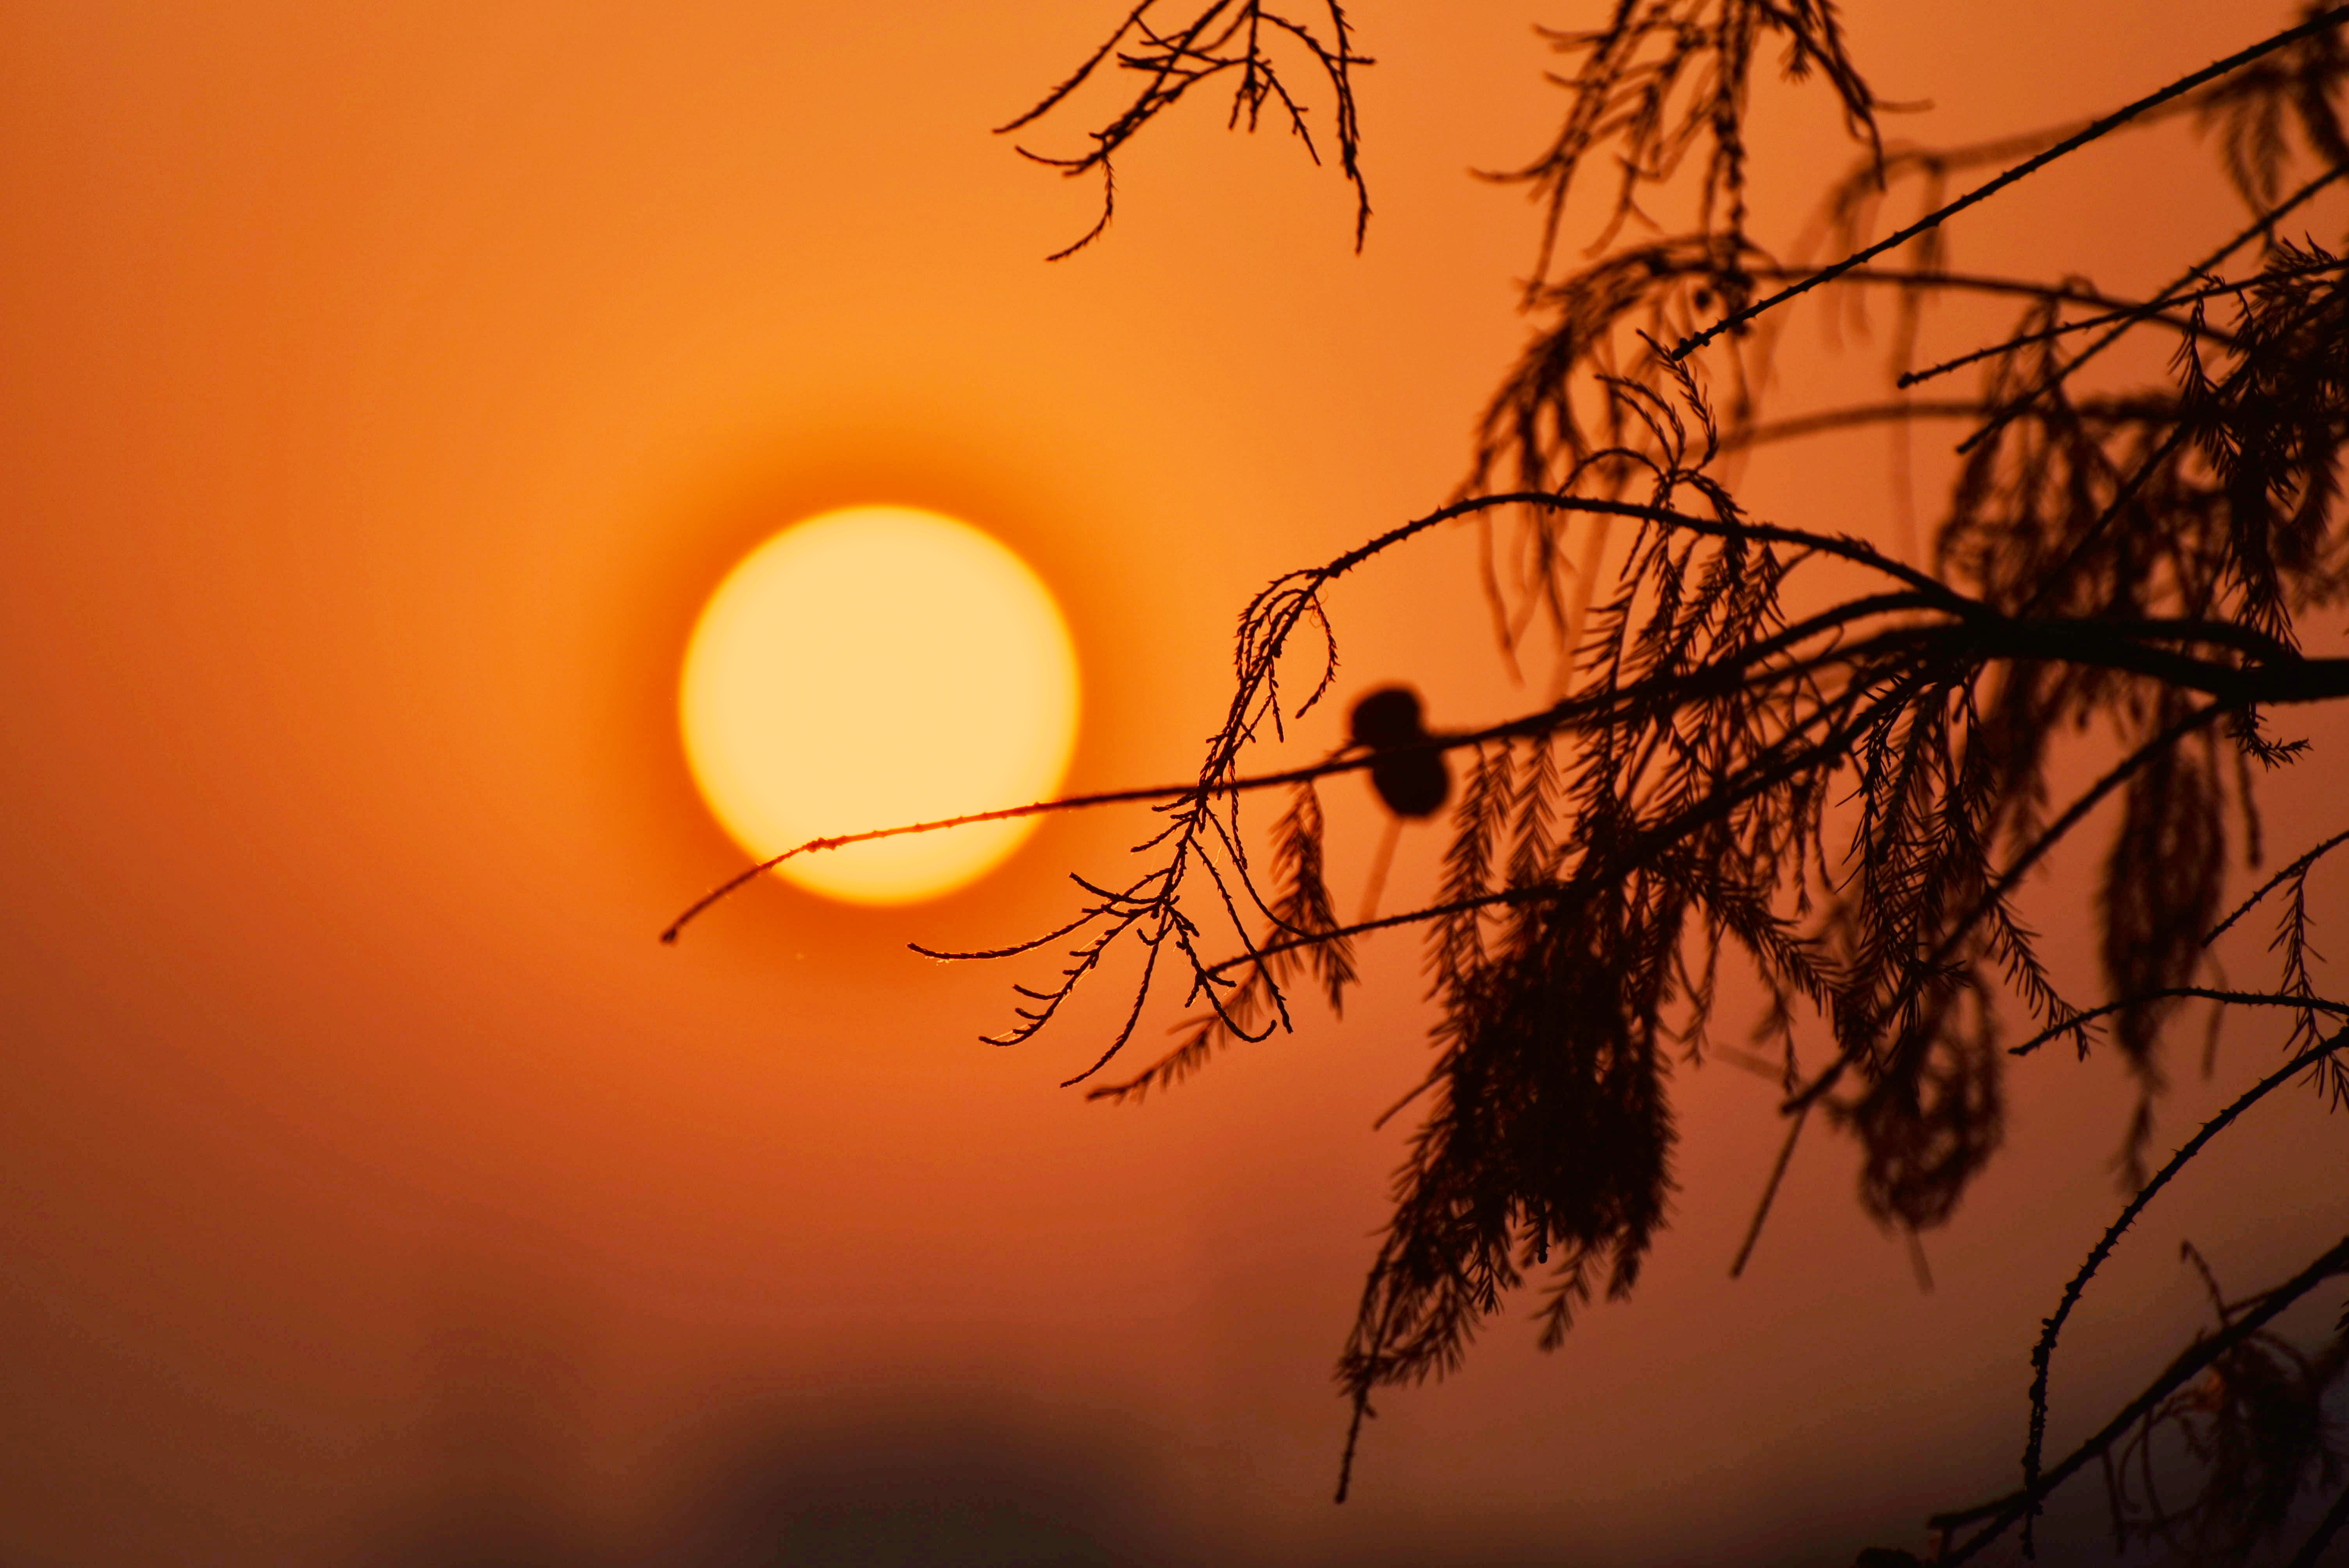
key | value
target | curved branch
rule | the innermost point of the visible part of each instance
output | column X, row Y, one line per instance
column 2277, row 881
column 2005, row 1512
column 1167, row 795
column 2042, row 1357
column 2074, row 1024
column 1843, row 546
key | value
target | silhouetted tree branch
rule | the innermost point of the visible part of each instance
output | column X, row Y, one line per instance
column 1241, row 41
column 2138, row 565
column 1841, row 791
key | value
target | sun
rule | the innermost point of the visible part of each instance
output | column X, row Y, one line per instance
column 873, row 666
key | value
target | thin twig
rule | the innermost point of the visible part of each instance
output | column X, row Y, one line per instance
column 1769, row 1192
column 2074, row 1025
column 2043, row 1354
column 2277, row 881
column 2070, row 144
column 2007, row 1511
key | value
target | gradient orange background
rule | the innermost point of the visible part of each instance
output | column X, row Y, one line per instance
column 384, row 389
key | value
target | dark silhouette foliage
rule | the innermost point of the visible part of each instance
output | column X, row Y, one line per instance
column 1245, row 42
column 1800, row 752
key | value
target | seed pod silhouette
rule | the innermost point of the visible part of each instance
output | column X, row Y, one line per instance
column 1413, row 782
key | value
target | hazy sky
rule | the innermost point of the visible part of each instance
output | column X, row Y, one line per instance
column 386, row 386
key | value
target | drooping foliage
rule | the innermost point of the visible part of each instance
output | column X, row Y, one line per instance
column 1848, row 798
column 1840, row 789
column 1243, row 43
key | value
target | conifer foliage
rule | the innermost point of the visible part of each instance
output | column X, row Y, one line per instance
column 1819, row 759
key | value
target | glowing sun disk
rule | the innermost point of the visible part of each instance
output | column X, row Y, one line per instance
column 873, row 666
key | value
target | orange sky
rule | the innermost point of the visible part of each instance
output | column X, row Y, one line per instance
column 384, row 389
